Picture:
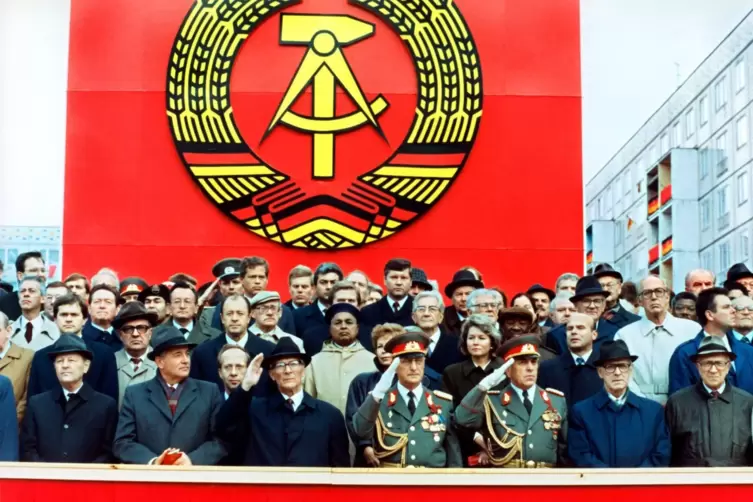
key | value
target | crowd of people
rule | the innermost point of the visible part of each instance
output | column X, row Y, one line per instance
column 593, row 372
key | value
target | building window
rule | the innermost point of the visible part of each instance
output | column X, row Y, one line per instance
column 608, row 201
column 742, row 131
column 689, row 123
column 740, row 76
column 722, row 197
column 707, row 259
column 721, row 153
column 600, row 208
column 725, row 258
column 744, row 246
column 626, row 182
column 664, row 145
column 720, row 93
column 705, row 214
column 703, row 162
column 703, row 110
column 742, row 188
column 676, row 135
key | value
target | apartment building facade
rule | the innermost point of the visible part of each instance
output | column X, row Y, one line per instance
column 677, row 195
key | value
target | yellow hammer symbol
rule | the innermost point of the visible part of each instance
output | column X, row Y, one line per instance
column 323, row 66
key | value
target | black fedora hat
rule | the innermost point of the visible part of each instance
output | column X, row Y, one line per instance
column 70, row 344
column 586, row 286
column 419, row 278
column 336, row 308
column 538, row 288
column 286, row 347
column 713, row 345
column 606, row 270
column 167, row 337
column 460, row 279
column 132, row 311
column 612, row 350
column 738, row 271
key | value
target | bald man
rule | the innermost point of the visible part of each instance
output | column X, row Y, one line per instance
column 573, row 372
column 698, row 280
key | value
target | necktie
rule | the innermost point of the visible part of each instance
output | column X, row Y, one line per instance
column 136, row 362
column 430, row 350
column 745, row 340
column 171, row 401
column 411, row 403
column 290, row 404
column 184, row 331
column 714, row 394
column 579, row 361
column 71, row 403
column 527, row 402
column 29, row 332
column 395, row 306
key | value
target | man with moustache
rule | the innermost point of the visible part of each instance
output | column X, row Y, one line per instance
column 409, row 425
column 443, row 349
column 104, row 302
column 535, row 418
column 654, row 339
column 32, row 330
column 541, row 297
column 463, row 283
column 134, row 327
column 289, row 427
column 716, row 316
column 70, row 423
column 397, row 305
column 236, row 315
column 710, row 421
column 683, row 306
column 616, row 428
column 156, row 299
column 574, row 372
column 331, row 371
column 70, row 312
column 611, row 281
column 170, row 412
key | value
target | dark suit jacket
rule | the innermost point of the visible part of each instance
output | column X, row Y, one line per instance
column 446, row 352
column 204, row 360
column 9, row 306
column 8, row 422
column 83, row 435
column 451, row 322
column 620, row 317
column 381, row 312
column 312, row 436
column 146, row 427
column 286, row 322
column 307, row 318
column 557, row 338
column 92, row 333
column 102, row 375
column 576, row 382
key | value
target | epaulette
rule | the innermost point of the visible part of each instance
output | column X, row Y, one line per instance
column 493, row 392
column 555, row 392
column 443, row 395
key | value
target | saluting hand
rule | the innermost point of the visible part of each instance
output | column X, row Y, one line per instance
column 385, row 382
column 495, row 377
column 203, row 299
column 253, row 372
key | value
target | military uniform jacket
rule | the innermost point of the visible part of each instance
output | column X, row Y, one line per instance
column 517, row 438
column 425, row 440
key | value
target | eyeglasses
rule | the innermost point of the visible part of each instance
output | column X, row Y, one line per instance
column 141, row 328
column 486, row 306
column 609, row 285
column 650, row 293
column 612, row 368
column 740, row 308
column 268, row 308
column 431, row 309
column 293, row 365
column 719, row 365
column 596, row 302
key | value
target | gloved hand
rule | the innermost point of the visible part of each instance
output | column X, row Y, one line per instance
column 384, row 383
column 495, row 377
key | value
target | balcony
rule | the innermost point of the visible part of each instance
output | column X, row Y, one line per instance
column 653, row 254
column 653, row 206
column 666, row 246
column 666, row 195
column 589, row 257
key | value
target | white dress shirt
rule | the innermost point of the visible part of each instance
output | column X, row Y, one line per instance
column 400, row 303
column 5, row 350
column 654, row 346
column 584, row 356
column 179, row 327
column 739, row 336
column 618, row 401
column 322, row 307
column 417, row 392
column 531, row 392
column 297, row 399
column 240, row 343
column 433, row 340
column 44, row 332
column 719, row 390
column 67, row 393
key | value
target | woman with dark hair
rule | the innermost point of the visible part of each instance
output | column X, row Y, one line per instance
column 479, row 341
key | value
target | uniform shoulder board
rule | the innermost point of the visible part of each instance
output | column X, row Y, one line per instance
column 555, row 392
column 443, row 395
column 493, row 392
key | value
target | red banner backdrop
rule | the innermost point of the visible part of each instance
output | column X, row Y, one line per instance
column 514, row 211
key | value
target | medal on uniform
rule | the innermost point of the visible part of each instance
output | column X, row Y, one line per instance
column 389, row 424
column 389, row 414
column 436, row 438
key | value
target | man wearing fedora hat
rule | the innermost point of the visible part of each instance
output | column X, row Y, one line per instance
column 589, row 298
column 710, row 422
column 170, row 418
column 410, row 426
column 462, row 284
column 615, row 427
column 70, row 312
column 288, row 427
column 611, row 280
column 396, row 306
column 71, row 423
column 419, row 282
column 134, row 325
column 740, row 273
column 526, row 425
column 716, row 316
column 541, row 297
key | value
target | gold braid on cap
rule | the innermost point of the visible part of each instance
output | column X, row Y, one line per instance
column 512, row 442
column 386, row 451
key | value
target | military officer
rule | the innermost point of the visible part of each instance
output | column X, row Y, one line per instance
column 523, row 425
column 409, row 425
